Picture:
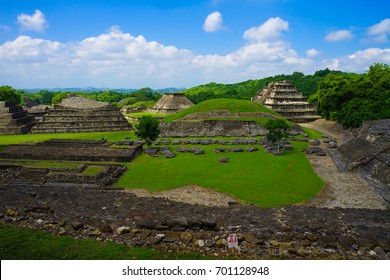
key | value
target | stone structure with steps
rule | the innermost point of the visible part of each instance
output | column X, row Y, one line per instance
column 80, row 114
column 72, row 149
column 284, row 98
column 13, row 119
column 171, row 103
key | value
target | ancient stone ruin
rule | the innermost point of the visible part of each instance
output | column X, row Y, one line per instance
column 13, row 119
column 73, row 150
column 367, row 150
column 80, row 114
column 284, row 98
column 171, row 103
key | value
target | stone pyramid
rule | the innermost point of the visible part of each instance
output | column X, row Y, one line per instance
column 13, row 119
column 284, row 98
column 171, row 103
column 80, row 114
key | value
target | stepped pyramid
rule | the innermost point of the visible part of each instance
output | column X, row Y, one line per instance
column 80, row 114
column 171, row 103
column 283, row 97
column 13, row 119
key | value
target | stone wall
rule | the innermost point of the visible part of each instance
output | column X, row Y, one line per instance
column 211, row 128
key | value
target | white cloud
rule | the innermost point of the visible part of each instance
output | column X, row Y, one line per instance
column 270, row 30
column 119, row 59
column 35, row 22
column 213, row 22
column 379, row 31
column 339, row 35
column 312, row 53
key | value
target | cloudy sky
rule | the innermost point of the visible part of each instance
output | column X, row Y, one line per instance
column 173, row 43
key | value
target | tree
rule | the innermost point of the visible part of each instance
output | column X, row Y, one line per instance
column 277, row 129
column 148, row 129
column 7, row 93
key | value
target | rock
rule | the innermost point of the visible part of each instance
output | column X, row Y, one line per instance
column 379, row 251
column 251, row 149
column 274, row 242
column 12, row 213
column 276, row 152
column 144, row 234
column 77, row 225
column 61, row 231
column 106, row 228
column 223, row 160
column 200, row 243
column 219, row 150
column 209, row 242
column 156, row 239
column 332, row 145
column 95, row 232
column 288, row 147
column 208, row 223
column 321, row 153
column 122, row 230
column 222, row 142
column 235, row 150
column 177, row 222
column 314, row 142
column 303, row 140
column 252, row 141
column 171, row 236
column 169, row 155
column 198, row 151
column 183, row 150
column 250, row 238
column 372, row 253
column 312, row 237
column 186, row 237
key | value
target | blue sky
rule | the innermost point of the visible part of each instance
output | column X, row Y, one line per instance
column 172, row 43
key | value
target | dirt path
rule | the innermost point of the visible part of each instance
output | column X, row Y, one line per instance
column 190, row 194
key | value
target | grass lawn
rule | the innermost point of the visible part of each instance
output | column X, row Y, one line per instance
column 26, row 244
column 258, row 177
column 17, row 139
column 140, row 115
column 93, row 170
column 232, row 105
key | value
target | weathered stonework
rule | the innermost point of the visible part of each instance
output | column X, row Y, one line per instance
column 79, row 114
column 13, row 119
column 211, row 128
column 74, row 150
column 171, row 104
column 284, row 98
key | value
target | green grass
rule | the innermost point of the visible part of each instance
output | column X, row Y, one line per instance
column 144, row 104
column 232, row 105
column 93, row 170
column 259, row 178
column 140, row 115
column 18, row 139
column 26, row 244
column 311, row 133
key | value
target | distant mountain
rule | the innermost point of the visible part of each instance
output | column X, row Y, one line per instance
column 93, row 89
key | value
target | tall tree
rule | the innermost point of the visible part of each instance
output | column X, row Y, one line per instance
column 277, row 129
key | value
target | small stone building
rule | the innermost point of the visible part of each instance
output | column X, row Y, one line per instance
column 80, row 114
column 171, row 103
column 283, row 97
column 13, row 119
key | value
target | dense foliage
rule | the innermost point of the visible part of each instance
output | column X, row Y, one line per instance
column 7, row 93
column 350, row 100
column 307, row 84
column 148, row 129
column 277, row 129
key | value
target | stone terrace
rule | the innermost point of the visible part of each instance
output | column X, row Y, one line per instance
column 13, row 119
column 73, row 150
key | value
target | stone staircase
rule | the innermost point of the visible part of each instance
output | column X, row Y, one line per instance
column 14, row 120
column 66, row 120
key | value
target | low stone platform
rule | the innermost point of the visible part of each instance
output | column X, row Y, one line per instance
column 72, row 150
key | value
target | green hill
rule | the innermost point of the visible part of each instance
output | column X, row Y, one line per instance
column 233, row 106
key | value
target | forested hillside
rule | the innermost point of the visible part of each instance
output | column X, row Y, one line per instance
column 307, row 84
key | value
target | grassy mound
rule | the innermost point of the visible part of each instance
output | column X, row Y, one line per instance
column 231, row 105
